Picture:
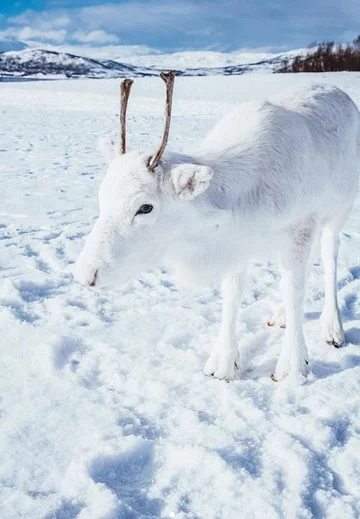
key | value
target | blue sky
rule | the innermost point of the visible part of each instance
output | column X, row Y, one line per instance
column 171, row 25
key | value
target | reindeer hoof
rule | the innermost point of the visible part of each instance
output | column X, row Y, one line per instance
column 272, row 323
column 335, row 344
column 222, row 366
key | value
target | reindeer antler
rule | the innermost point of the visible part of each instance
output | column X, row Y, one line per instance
column 125, row 88
column 169, row 79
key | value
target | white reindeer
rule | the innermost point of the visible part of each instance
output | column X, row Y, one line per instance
column 271, row 176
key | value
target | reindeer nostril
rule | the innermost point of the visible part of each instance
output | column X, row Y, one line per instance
column 93, row 282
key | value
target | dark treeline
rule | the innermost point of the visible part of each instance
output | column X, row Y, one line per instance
column 327, row 57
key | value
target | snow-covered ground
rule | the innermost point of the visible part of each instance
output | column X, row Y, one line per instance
column 104, row 410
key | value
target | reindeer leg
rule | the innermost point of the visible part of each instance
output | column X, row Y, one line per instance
column 293, row 357
column 279, row 317
column 224, row 360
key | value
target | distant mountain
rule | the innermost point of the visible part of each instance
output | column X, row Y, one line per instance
column 266, row 65
column 38, row 63
column 195, row 59
column 204, row 60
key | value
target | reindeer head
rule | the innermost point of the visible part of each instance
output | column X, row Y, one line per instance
column 141, row 200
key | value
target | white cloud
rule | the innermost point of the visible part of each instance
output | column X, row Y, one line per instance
column 350, row 35
column 44, row 20
column 98, row 36
column 125, row 53
column 149, row 16
column 188, row 24
column 28, row 33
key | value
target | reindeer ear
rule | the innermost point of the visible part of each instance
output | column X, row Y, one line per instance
column 190, row 180
column 107, row 148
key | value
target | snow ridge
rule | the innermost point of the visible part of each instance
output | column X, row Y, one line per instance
column 35, row 63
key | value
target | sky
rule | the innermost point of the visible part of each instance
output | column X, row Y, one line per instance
column 148, row 26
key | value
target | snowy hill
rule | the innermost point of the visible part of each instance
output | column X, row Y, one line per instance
column 190, row 60
column 40, row 63
column 195, row 59
column 47, row 63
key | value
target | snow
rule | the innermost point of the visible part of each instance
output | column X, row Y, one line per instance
column 104, row 410
column 53, row 63
column 195, row 59
column 38, row 63
column 144, row 56
column 188, row 60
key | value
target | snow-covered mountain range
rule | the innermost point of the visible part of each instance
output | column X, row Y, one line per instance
column 45, row 63
column 18, row 60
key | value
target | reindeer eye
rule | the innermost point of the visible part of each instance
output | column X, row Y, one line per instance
column 145, row 209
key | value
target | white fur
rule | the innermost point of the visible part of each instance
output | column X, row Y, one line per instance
column 270, row 177
column 190, row 180
column 107, row 148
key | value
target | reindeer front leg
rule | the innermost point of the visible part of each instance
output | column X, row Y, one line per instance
column 224, row 359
